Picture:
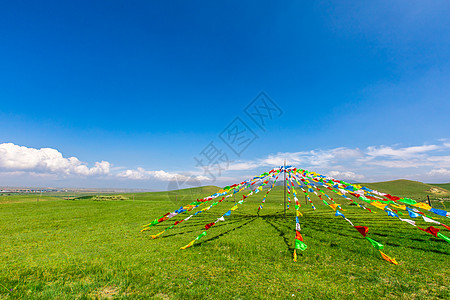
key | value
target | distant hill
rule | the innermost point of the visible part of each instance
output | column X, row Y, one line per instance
column 402, row 188
column 188, row 194
column 408, row 188
column 442, row 185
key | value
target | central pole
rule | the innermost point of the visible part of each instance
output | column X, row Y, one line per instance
column 284, row 189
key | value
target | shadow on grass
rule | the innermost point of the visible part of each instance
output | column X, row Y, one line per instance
column 270, row 219
column 226, row 232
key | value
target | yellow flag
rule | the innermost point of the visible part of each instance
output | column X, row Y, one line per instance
column 399, row 206
column 378, row 204
column 145, row 229
column 156, row 235
column 422, row 205
column 188, row 245
column 333, row 206
column 295, row 255
column 234, row 207
column 299, row 213
column 392, row 260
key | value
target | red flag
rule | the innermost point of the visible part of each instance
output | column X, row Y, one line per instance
column 448, row 227
column 298, row 236
column 178, row 222
column 362, row 229
column 162, row 219
column 431, row 230
column 208, row 226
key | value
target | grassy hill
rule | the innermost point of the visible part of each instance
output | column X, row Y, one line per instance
column 442, row 185
column 85, row 249
column 408, row 188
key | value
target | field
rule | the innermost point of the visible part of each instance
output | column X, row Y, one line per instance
column 87, row 249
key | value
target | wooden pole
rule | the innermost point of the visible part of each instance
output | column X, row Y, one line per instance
column 284, row 189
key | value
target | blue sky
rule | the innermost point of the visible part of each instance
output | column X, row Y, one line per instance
column 145, row 86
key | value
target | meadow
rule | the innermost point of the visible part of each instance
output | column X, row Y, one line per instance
column 87, row 249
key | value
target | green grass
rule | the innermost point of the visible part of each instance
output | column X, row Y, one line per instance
column 88, row 249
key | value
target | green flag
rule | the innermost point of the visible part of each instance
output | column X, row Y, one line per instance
column 300, row 245
column 443, row 237
column 364, row 199
column 375, row 244
column 201, row 235
column 408, row 201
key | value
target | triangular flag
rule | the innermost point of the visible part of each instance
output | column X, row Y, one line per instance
column 188, row 245
column 412, row 214
column 156, row 235
column 338, row 213
column 201, row 235
column 392, row 260
column 408, row 221
column 362, row 229
column 295, row 255
column 446, row 238
column 375, row 244
column 208, row 226
column 333, row 206
column 430, row 220
column 431, row 230
column 300, row 245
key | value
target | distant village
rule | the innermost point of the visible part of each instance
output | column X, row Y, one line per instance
column 39, row 190
column 26, row 190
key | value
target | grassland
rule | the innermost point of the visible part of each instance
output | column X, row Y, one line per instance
column 85, row 249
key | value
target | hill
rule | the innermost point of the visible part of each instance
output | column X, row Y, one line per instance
column 442, row 185
column 408, row 188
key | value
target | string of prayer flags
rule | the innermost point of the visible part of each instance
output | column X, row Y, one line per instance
column 235, row 187
column 265, row 196
column 311, row 182
column 234, row 207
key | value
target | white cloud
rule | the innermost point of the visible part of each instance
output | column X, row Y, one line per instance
column 381, row 161
column 441, row 161
column 440, row 171
column 20, row 160
column 345, row 175
column 46, row 160
column 318, row 158
column 403, row 153
column 142, row 174
column 413, row 163
column 374, row 162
